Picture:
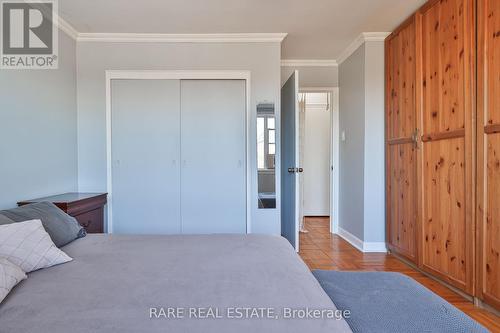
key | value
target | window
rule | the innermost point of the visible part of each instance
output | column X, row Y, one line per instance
column 261, row 164
column 266, row 141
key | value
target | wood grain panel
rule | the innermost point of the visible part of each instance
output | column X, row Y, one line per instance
column 444, row 211
column 491, row 263
column 401, row 168
column 401, row 82
column 445, row 67
column 492, row 47
column 488, row 152
column 402, row 185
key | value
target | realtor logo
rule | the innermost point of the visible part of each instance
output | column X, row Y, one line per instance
column 29, row 34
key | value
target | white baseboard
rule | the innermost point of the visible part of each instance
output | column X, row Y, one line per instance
column 360, row 245
column 374, row 247
column 353, row 240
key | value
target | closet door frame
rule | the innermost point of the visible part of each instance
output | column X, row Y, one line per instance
column 176, row 75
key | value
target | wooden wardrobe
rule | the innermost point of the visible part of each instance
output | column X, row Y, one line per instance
column 443, row 143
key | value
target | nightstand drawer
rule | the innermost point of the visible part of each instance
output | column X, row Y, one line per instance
column 92, row 221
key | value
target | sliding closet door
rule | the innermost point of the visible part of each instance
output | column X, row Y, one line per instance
column 145, row 156
column 447, row 152
column 401, row 145
column 213, row 191
column 488, row 149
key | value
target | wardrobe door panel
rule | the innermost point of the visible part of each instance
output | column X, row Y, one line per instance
column 145, row 117
column 447, row 151
column 488, row 149
column 213, row 140
column 401, row 155
column 491, row 226
column 443, row 43
column 443, row 226
column 490, row 54
column 402, row 197
column 401, row 82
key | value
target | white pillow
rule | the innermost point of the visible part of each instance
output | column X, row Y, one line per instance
column 29, row 246
column 10, row 275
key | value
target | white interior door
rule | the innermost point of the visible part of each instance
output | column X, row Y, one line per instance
column 145, row 122
column 213, row 183
column 316, row 176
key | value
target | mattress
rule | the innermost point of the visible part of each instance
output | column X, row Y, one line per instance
column 185, row 283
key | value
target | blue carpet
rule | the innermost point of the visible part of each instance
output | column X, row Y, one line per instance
column 383, row 302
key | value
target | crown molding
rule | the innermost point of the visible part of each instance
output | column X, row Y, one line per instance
column 169, row 38
column 67, row 28
column 308, row 63
column 375, row 36
column 360, row 40
column 59, row 22
column 182, row 38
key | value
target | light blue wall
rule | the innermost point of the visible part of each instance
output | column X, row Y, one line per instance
column 352, row 122
column 38, row 139
column 362, row 179
column 261, row 59
column 374, row 171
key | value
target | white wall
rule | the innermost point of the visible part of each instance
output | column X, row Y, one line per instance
column 312, row 76
column 316, row 176
column 362, row 190
column 38, row 139
column 261, row 59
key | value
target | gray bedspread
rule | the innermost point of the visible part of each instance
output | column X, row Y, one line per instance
column 115, row 283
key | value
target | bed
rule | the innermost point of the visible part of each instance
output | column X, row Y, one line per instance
column 134, row 283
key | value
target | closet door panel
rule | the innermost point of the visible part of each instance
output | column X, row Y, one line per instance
column 401, row 82
column 443, row 67
column 488, row 149
column 443, row 226
column 400, row 146
column 145, row 120
column 447, row 152
column 490, row 52
column 491, row 225
column 213, row 140
column 402, row 196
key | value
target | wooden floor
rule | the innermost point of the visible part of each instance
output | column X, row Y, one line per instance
column 322, row 250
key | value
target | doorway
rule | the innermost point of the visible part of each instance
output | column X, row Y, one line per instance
column 318, row 157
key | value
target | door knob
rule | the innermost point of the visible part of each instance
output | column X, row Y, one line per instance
column 291, row 170
column 301, row 170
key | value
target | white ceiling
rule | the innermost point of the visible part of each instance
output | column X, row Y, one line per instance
column 317, row 29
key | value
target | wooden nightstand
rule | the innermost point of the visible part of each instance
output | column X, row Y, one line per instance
column 87, row 208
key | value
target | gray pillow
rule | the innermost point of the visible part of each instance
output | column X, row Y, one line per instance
column 5, row 220
column 61, row 227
